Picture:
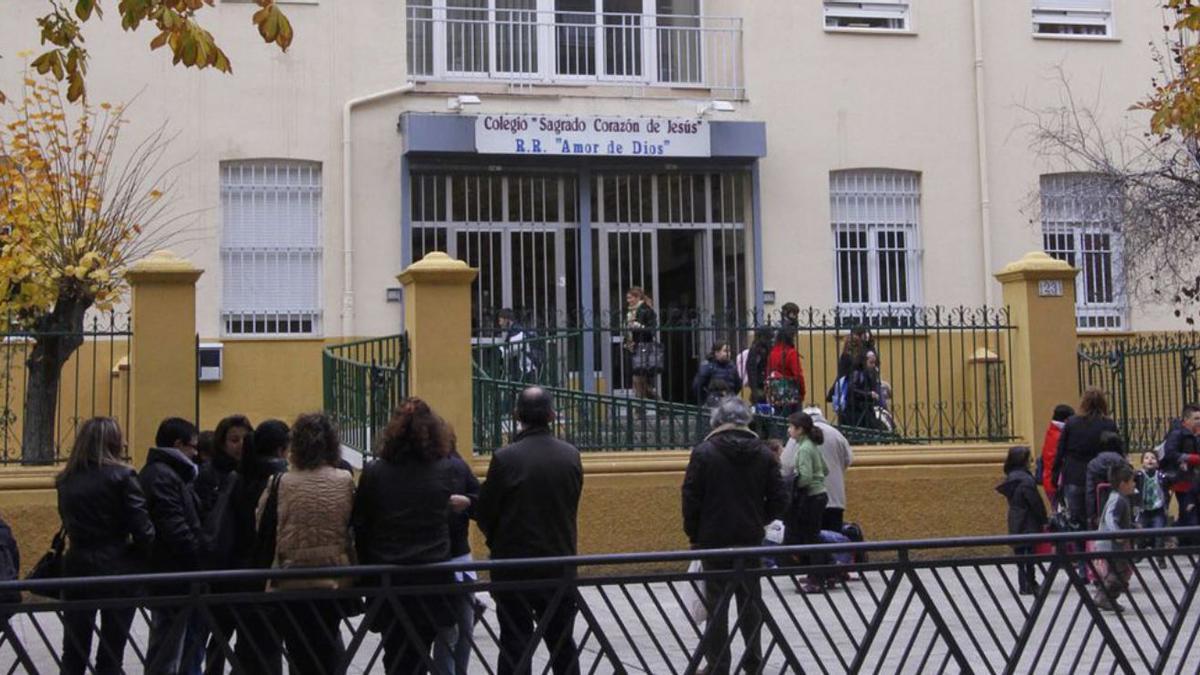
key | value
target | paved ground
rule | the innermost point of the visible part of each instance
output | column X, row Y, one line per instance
column 648, row 629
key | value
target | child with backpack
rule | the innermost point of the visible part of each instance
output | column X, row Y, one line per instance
column 1116, row 516
column 785, row 375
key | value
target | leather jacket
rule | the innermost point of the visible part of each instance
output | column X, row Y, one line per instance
column 109, row 530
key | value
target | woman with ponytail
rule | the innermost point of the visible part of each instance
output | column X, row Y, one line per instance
column 803, row 458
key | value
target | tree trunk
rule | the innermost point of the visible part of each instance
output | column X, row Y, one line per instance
column 59, row 334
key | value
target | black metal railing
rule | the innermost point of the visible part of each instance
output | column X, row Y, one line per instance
column 93, row 381
column 362, row 382
column 945, row 372
column 919, row 606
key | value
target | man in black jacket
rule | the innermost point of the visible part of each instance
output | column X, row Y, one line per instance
column 180, row 543
column 733, row 488
column 527, row 509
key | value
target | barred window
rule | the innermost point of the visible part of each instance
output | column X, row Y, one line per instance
column 271, row 247
column 877, row 249
column 1080, row 224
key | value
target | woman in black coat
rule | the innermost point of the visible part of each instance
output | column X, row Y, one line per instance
column 401, row 517
column 1079, row 444
column 108, row 531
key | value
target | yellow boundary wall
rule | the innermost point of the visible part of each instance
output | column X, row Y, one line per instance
column 631, row 501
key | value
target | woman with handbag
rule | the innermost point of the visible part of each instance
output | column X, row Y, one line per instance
column 646, row 355
column 312, row 503
column 108, row 531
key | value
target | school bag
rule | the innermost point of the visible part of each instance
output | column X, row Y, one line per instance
column 841, row 388
column 782, row 391
column 854, row 532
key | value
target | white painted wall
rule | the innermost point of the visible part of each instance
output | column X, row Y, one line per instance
column 830, row 101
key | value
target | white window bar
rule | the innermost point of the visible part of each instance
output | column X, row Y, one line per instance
column 631, row 42
column 1081, row 225
column 1073, row 18
column 271, row 248
column 876, row 235
column 879, row 15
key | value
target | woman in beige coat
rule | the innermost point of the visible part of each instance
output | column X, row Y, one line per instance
column 312, row 530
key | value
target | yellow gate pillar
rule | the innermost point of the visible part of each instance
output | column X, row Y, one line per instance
column 1040, row 294
column 162, row 362
column 437, row 317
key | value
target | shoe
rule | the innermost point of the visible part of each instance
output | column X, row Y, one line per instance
column 1027, row 590
column 809, row 587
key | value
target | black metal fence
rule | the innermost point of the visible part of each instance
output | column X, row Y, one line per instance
column 944, row 372
column 362, row 383
column 93, row 381
column 1148, row 380
column 922, row 606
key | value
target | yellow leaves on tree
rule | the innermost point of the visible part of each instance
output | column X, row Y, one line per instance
column 175, row 21
column 70, row 219
column 1175, row 102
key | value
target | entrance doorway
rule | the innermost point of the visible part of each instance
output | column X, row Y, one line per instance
column 679, row 235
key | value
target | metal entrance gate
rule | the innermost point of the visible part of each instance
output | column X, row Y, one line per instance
column 1147, row 379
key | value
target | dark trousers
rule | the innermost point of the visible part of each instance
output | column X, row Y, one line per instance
column 77, row 639
column 311, row 630
column 518, row 610
column 833, row 519
column 1075, row 499
column 225, row 621
column 1189, row 512
column 747, row 594
column 258, row 648
column 804, row 527
column 408, row 653
column 1026, row 578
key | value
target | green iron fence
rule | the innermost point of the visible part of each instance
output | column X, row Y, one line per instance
column 1148, row 380
column 363, row 382
column 94, row 381
column 946, row 369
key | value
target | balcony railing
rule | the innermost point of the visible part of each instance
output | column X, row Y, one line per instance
column 528, row 47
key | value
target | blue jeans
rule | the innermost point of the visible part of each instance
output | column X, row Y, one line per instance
column 452, row 650
column 170, row 653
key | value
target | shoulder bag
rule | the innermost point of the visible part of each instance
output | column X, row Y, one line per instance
column 51, row 564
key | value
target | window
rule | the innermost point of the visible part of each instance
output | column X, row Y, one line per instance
column 563, row 40
column 883, row 15
column 271, row 247
column 877, row 249
column 1072, row 18
column 1080, row 224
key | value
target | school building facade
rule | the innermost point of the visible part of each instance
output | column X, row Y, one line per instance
column 726, row 156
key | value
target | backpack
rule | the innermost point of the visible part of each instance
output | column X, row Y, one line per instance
column 853, row 532
column 782, row 391
column 10, row 562
column 841, row 390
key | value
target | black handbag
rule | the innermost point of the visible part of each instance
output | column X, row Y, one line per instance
column 647, row 358
column 263, row 555
column 51, row 565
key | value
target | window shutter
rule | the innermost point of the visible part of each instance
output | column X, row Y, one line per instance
column 271, row 247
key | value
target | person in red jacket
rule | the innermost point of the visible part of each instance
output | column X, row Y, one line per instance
column 1062, row 413
column 785, row 375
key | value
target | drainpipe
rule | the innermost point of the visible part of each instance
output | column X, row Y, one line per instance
column 347, row 203
column 985, row 201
